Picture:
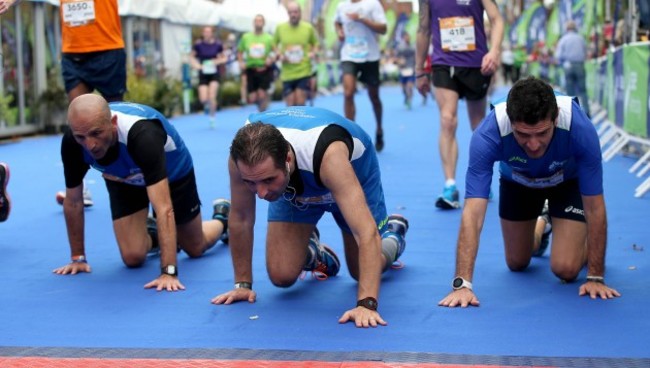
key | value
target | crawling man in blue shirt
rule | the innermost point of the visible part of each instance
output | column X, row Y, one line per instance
column 548, row 150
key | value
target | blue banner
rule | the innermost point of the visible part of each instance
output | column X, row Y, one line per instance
column 513, row 32
column 566, row 13
column 536, row 28
column 602, row 82
column 400, row 27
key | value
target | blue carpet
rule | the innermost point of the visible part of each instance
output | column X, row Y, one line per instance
column 528, row 314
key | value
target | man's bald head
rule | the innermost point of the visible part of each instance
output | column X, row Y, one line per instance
column 87, row 108
column 92, row 125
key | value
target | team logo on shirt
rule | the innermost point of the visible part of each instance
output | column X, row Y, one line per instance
column 556, row 165
column 517, row 159
column 463, row 2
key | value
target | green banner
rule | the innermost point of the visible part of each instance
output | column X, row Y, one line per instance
column 328, row 23
column 533, row 69
column 611, row 89
column 635, row 76
column 391, row 19
column 591, row 67
column 412, row 27
column 553, row 28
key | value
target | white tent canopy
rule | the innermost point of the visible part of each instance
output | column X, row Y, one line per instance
column 187, row 12
column 238, row 15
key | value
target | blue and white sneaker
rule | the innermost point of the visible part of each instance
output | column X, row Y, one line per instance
column 326, row 263
column 399, row 225
column 220, row 211
column 449, row 198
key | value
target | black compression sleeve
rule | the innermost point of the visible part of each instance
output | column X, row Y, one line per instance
column 146, row 145
column 74, row 167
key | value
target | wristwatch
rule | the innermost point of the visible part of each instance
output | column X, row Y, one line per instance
column 460, row 283
column 368, row 303
column 170, row 270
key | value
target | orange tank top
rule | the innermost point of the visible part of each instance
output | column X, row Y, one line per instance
column 90, row 25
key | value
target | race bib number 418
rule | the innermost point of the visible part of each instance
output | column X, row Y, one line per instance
column 457, row 34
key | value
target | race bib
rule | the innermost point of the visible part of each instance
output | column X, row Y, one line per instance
column 136, row 179
column 457, row 34
column 357, row 47
column 294, row 54
column 550, row 181
column 257, row 51
column 78, row 12
column 407, row 72
column 208, row 67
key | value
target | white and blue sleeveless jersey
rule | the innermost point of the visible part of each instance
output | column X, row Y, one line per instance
column 124, row 169
column 302, row 126
column 573, row 153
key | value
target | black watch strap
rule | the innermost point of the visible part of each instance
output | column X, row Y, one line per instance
column 368, row 303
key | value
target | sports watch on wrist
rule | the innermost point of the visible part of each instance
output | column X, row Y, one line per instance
column 368, row 303
column 170, row 270
column 460, row 283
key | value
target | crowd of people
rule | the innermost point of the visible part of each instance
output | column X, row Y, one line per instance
column 307, row 161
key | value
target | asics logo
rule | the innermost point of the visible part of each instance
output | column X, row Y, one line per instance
column 574, row 210
column 517, row 159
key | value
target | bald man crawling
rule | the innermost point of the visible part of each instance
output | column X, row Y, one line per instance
column 143, row 160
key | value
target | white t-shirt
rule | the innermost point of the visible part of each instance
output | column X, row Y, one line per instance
column 361, row 44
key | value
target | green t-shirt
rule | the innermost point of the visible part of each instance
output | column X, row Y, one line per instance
column 255, row 48
column 295, row 43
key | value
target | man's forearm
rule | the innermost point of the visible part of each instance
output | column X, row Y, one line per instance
column 241, row 250
column 167, row 239
column 74, row 221
column 370, row 267
column 466, row 251
column 596, row 240
column 423, row 36
column 468, row 237
column 422, row 49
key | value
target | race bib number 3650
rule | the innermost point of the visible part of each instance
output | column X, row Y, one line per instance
column 78, row 12
column 457, row 34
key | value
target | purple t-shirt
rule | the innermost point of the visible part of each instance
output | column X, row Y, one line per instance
column 457, row 32
column 207, row 50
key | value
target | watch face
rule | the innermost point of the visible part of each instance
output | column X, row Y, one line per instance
column 170, row 270
column 458, row 282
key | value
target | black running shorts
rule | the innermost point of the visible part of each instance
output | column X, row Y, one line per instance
column 521, row 203
column 469, row 83
column 128, row 199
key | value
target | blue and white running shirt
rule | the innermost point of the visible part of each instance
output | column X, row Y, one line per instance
column 574, row 152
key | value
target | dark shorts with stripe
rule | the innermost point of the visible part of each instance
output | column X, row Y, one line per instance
column 128, row 199
column 521, row 203
column 469, row 83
